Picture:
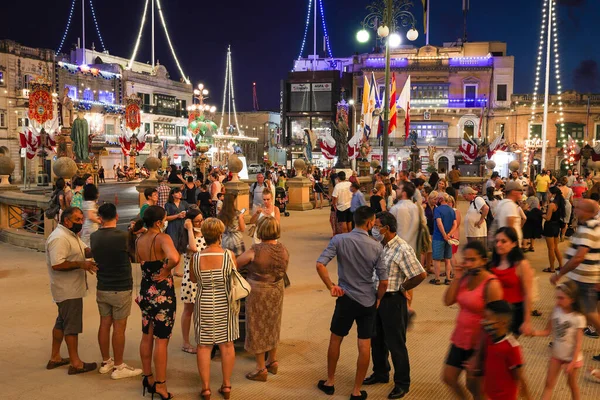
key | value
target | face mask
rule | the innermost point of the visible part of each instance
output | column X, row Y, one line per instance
column 198, row 230
column 490, row 329
column 162, row 227
column 377, row 234
column 76, row 228
column 474, row 271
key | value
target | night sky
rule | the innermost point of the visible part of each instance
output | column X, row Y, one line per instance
column 265, row 36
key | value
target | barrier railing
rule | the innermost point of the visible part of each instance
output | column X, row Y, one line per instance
column 22, row 219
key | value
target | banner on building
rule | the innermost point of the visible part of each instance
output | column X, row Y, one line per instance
column 40, row 101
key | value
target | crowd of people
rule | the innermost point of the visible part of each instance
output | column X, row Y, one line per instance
column 419, row 226
column 386, row 246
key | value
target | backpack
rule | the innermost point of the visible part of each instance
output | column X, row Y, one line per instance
column 53, row 206
column 489, row 218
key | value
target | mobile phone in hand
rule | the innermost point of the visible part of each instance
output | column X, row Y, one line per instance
column 242, row 211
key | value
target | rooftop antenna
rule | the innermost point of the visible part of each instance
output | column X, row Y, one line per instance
column 254, row 97
column 465, row 12
column 229, row 98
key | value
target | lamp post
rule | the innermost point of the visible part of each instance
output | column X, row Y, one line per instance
column 393, row 13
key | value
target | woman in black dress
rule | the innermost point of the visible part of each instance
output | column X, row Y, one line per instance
column 157, row 256
column 319, row 190
column 533, row 224
column 552, row 226
column 378, row 198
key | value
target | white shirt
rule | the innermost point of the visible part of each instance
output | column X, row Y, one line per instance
column 407, row 216
column 473, row 216
column 564, row 332
column 506, row 209
column 63, row 245
column 342, row 192
column 490, row 183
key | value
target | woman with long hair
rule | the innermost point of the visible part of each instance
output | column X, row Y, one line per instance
column 157, row 257
column 216, row 319
column 472, row 288
column 516, row 276
column 196, row 243
column 433, row 179
column 442, row 184
column 319, row 190
column 552, row 226
column 390, row 194
column 234, row 225
column 267, row 264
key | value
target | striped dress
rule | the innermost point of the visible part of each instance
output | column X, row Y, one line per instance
column 588, row 235
column 215, row 321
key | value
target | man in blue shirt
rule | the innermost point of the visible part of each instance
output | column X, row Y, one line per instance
column 444, row 225
column 358, row 199
column 359, row 259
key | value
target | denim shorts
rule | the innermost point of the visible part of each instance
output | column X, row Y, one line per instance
column 441, row 250
column 588, row 296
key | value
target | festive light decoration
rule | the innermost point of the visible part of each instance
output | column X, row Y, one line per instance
column 305, row 29
column 162, row 18
column 139, row 38
column 86, row 70
column 64, row 37
column 325, row 29
column 62, row 41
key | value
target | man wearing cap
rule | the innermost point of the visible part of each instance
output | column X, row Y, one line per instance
column 507, row 211
column 475, row 225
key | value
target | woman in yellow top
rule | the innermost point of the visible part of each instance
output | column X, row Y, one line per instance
column 282, row 180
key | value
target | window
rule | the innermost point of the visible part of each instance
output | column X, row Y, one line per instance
column 88, row 95
column 145, row 97
column 23, row 122
column 166, row 105
column 501, row 92
column 2, row 118
column 597, row 135
column 27, row 80
column 535, row 130
column 470, row 91
column 106, row 97
column 147, row 127
column 1, row 78
column 469, row 129
column 297, row 126
column 109, row 129
column 499, row 129
column 576, row 131
column 162, row 129
column 72, row 92
column 427, row 91
column 321, row 97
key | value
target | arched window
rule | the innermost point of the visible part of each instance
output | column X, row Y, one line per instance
column 443, row 163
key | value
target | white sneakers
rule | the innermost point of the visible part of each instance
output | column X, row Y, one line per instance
column 118, row 371
column 107, row 366
column 125, row 371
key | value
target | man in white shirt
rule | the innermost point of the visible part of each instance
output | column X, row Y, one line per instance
column 492, row 181
column 475, row 225
column 407, row 215
column 342, row 197
column 507, row 210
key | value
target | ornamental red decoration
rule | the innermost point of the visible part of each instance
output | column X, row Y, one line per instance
column 132, row 112
column 40, row 101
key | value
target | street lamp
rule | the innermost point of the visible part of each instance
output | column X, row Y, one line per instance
column 393, row 14
column 352, row 103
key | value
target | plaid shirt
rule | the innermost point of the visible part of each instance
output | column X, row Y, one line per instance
column 163, row 194
column 399, row 257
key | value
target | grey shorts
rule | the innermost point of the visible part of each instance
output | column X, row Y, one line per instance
column 588, row 297
column 70, row 316
column 441, row 250
column 114, row 304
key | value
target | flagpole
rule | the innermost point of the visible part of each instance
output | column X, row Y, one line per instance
column 546, row 93
column 386, row 100
column 427, row 29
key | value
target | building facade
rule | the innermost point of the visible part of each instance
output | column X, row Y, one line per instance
column 263, row 125
column 19, row 66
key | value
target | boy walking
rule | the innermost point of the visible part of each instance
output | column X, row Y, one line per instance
column 114, row 291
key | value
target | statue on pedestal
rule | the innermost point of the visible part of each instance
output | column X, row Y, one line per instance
column 66, row 110
column 339, row 132
column 80, row 138
column 415, row 153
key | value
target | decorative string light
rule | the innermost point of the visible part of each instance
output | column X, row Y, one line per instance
column 325, row 29
column 567, row 150
column 62, row 42
column 139, row 38
column 97, row 27
column 305, row 29
column 162, row 18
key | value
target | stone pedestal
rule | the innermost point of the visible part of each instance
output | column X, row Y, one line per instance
column 299, row 194
column 64, row 144
column 363, row 168
column 242, row 191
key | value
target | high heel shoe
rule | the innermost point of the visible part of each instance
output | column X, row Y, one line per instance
column 169, row 395
column 272, row 367
column 225, row 395
column 205, row 394
column 258, row 375
column 147, row 386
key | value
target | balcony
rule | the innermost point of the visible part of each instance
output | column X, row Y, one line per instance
column 421, row 142
column 152, row 109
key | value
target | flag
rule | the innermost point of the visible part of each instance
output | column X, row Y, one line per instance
column 497, row 144
column 468, row 149
column 327, row 146
column 375, row 88
column 404, row 103
column 190, row 146
column 368, row 106
column 425, row 6
column 354, row 146
column 30, row 142
column 393, row 110
column 380, row 128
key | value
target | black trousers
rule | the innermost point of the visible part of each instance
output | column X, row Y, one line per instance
column 390, row 338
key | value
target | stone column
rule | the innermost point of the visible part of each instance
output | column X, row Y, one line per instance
column 237, row 187
column 299, row 189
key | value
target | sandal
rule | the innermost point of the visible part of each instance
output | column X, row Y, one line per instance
column 435, row 282
column 225, row 394
column 259, row 375
column 205, row 394
column 548, row 270
column 536, row 313
column 594, row 375
column 55, row 364
column 272, row 367
column 189, row 349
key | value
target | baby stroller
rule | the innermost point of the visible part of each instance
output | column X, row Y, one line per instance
column 281, row 200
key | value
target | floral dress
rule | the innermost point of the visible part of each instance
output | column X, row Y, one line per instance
column 189, row 288
column 157, row 300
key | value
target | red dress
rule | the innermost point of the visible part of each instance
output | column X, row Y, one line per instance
column 511, row 284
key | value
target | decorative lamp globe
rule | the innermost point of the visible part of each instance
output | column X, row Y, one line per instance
column 383, row 31
column 412, row 34
column 374, row 164
column 394, row 40
column 490, row 164
column 362, row 36
column 514, row 165
column 299, row 166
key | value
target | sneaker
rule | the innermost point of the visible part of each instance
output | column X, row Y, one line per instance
column 125, row 371
column 589, row 332
column 107, row 366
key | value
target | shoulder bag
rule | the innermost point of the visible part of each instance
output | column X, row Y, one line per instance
column 240, row 287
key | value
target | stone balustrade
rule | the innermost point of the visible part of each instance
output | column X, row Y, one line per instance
column 22, row 219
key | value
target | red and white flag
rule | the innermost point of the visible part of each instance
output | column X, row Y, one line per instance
column 468, row 149
column 327, row 144
column 354, row 145
column 30, row 142
column 404, row 103
column 190, row 146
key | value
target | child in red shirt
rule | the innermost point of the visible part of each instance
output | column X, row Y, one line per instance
column 500, row 358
